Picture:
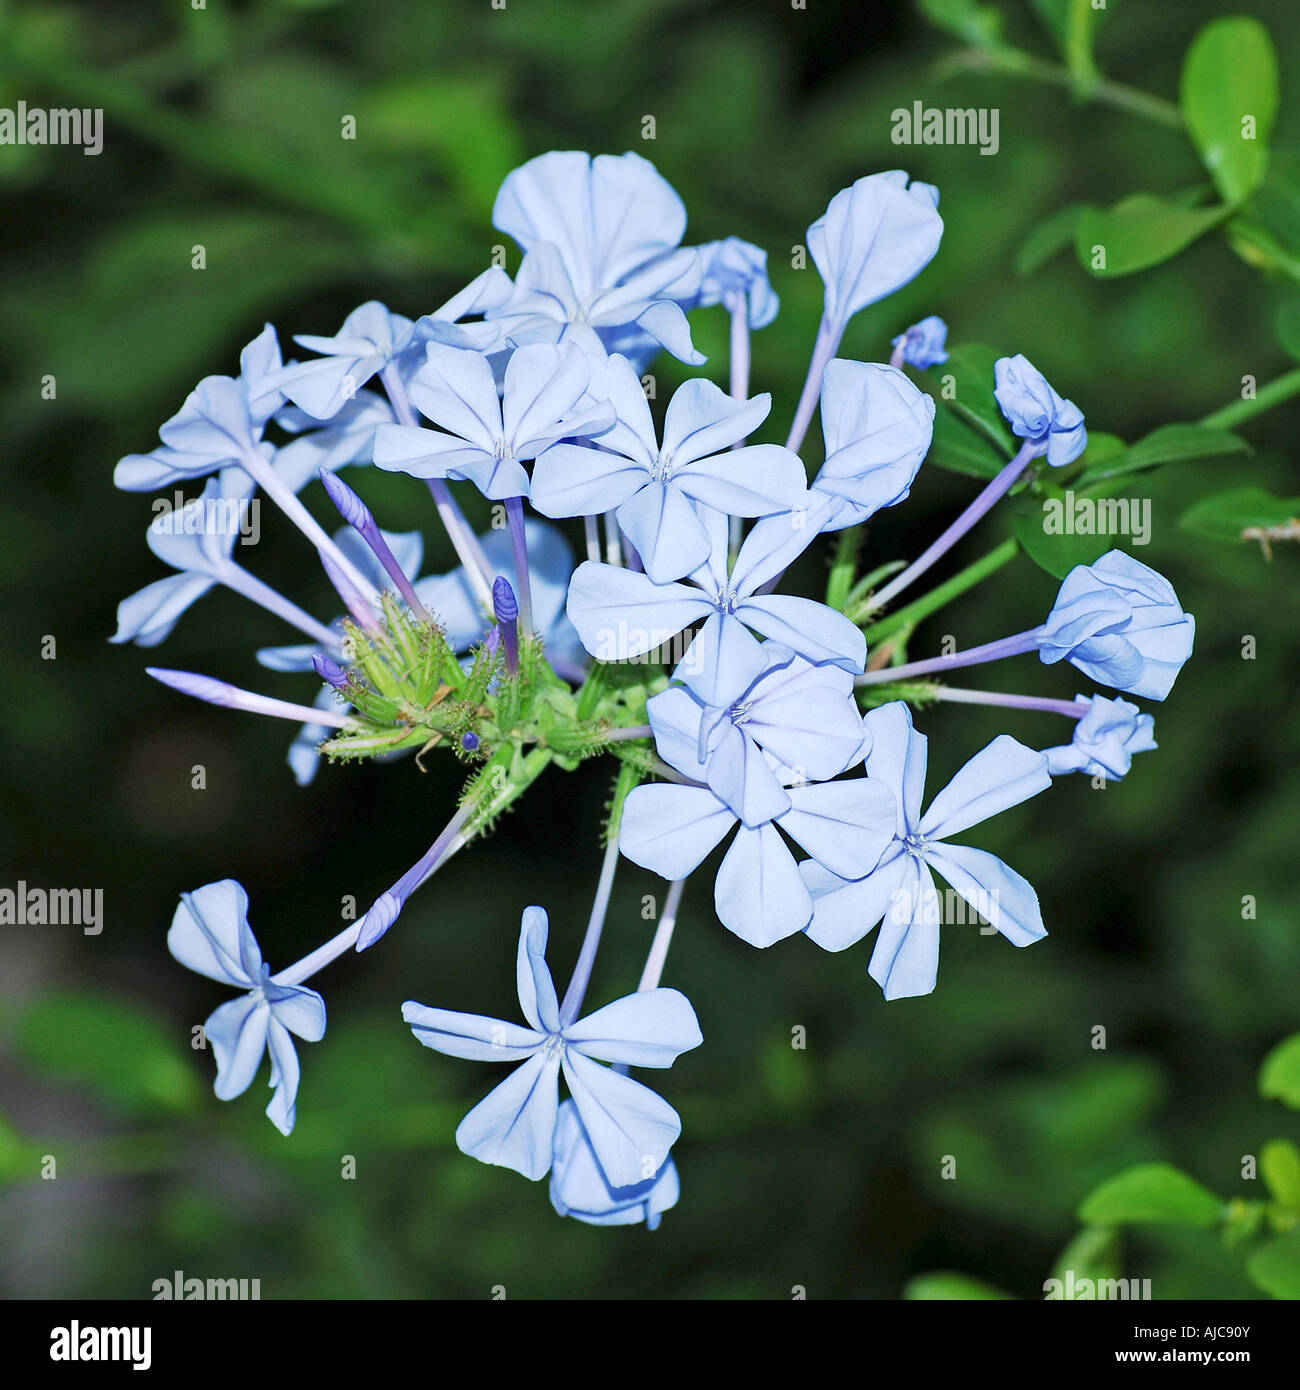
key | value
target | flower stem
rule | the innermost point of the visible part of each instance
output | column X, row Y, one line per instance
column 937, row 598
column 995, row 490
column 1273, row 393
column 828, row 339
column 654, row 962
column 1072, row 709
column 576, row 992
column 519, row 544
column 975, row 656
column 236, row 577
column 459, row 531
column 288, row 502
column 739, row 374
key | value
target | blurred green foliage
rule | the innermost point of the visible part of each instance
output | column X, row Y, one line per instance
column 820, row 1167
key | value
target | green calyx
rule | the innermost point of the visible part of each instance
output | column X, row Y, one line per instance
column 410, row 690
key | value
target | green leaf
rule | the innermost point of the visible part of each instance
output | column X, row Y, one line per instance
column 1229, row 96
column 1152, row 1192
column 1275, row 1267
column 1279, row 1075
column 969, row 21
column 122, row 1055
column 960, row 449
column 1279, row 1162
column 1139, row 232
column 1288, row 327
column 967, row 383
column 1228, row 516
column 1059, row 550
column 1168, row 444
column 1094, row 1253
column 945, row 1286
column 1051, row 236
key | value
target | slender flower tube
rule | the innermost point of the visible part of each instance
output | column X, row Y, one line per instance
column 345, row 940
column 975, row 656
column 654, row 962
column 459, row 531
column 217, row 692
column 355, row 512
column 578, row 982
column 519, row 543
column 1072, row 709
column 996, row 490
column 386, row 908
column 287, row 500
column 353, row 600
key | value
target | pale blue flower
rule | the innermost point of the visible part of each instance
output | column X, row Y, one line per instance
column 197, row 541
column 1036, row 413
column 621, row 615
column 660, row 491
column 796, row 719
column 210, row 934
column 878, row 426
column 897, row 886
column 601, row 239
column 630, row 1127
column 872, row 239
column 372, row 337
column 923, row 343
column 580, row 1189
column 759, row 893
column 733, row 272
column 347, row 437
column 488, row 438
column 1120, row 623
column 214, row 429
column 1104, row 741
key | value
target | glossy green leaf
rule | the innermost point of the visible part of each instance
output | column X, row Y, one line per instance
column 944, row 1286
column 966, row 382
column 1275, row 1267
column 1229, row 98
column 122, row 1055
column 1051, row 236
column 1279, row 1076
column 1168, row 444
column 1139, row 232
column 1230, row 516
column 969, row 21
column 1094, row 1253
column 1056, row 530
column 1279, row 1164
column 1155, row 1193
column 961, row 449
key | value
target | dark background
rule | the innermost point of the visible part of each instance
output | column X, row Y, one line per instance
column 820, row 1167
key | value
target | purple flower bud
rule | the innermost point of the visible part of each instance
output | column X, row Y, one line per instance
column 469, row 741
column 504, row 602
column 507, row 610
column 350, row 507
column 329, row 671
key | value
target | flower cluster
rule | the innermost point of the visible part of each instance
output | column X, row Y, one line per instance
column 734, row 712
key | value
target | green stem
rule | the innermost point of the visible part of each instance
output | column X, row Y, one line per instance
column 1017, row 63
column 1273, row 393
column 929, row 603
column 842, row 567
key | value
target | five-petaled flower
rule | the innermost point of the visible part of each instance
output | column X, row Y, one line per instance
column 630, row 1127
column 210, row 934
